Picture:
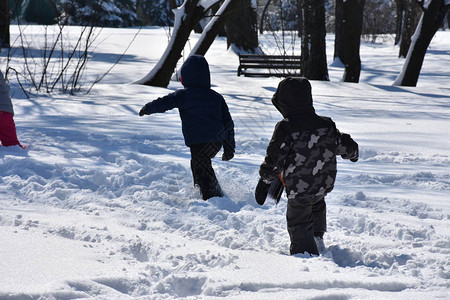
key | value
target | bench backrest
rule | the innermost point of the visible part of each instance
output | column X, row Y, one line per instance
column 270, row 61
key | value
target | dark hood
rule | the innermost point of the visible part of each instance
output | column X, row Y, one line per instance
column 293, row 96
column 195, row 72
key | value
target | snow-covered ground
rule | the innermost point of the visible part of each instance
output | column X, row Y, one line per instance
column 101, row 205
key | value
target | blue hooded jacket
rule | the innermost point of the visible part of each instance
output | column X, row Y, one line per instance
column 204, row 113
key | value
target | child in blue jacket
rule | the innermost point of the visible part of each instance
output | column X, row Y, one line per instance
column 206, row 122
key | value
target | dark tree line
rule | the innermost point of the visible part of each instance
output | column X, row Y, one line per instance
column 239, row 19
column 242, row 32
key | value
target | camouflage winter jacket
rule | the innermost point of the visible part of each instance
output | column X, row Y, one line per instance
column 304, row 145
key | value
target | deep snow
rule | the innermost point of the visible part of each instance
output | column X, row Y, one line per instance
column 101, row 205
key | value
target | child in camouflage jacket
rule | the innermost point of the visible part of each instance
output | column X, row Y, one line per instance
column 303, row 152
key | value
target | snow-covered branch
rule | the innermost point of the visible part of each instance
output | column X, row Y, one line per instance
column 423, row 4
column 186, row 17
column 207, row 4
column 210, row 24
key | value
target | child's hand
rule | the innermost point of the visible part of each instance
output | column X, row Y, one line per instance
column 226, row 156
column 261, row 191
column 143, row 111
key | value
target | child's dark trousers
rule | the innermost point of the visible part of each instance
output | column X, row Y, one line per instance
column 202, row 171
column 306, row 218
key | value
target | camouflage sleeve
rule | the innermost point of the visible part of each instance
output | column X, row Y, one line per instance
column 347, row 148
column 277, row 151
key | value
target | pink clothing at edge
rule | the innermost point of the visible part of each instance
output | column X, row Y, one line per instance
column 8, row 135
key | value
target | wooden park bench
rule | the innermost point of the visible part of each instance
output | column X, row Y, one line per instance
column 269, row 65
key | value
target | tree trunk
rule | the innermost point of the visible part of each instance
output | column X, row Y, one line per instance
column 399, row 11
column 263, row 16
column 349, row 22
column 339, row 34
column 300, row 18
column 431, row 20
column 207, row 18
column 410, row 20
column 313, row 55
column 4, row 24
column 242, row 28
column 448, row 20
column 173, row 4
column 214, row 26
column 353, row 22
column 186, row 17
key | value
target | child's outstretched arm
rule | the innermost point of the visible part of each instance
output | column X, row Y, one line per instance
column 347, row 147
column 162, row 104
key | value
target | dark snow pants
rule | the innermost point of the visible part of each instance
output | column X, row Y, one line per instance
column 306, row 218
column 202, row 171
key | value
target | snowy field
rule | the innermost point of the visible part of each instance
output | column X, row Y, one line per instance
column 101, row 204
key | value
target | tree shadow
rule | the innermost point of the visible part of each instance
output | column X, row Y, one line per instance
column 411, row 90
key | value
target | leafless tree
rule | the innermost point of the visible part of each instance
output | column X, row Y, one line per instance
column 242, row 28
column 263, row 16
column 432, row 17
column 313, row 54
column 349, row 22
column 214, row 26
column 447, row 21
column 52, row 61
column 186, row 18
column 410, row 17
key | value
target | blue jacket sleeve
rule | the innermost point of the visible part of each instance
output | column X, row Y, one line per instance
column 163, row 104
column 229, row 144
